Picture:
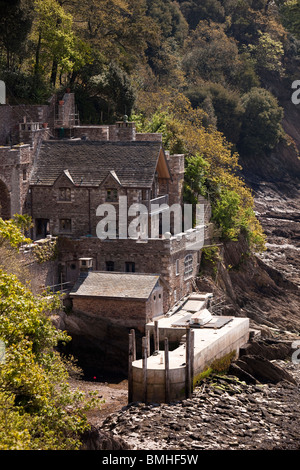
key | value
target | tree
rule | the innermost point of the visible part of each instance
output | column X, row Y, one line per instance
column 195, row 11
column 210, row 54
column 290, row 14
column 38, row 410
column 105, row 97
column 56, row 43
column 261, row 125
column 15, row 25
column 268, row 54
column 226, row 106
column 211, row 167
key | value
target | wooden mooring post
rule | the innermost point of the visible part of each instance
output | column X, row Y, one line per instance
column 156, row 336
column 167, row 372
column 144, row 358
column 189, row 374
column 192, row 355
column 131, row 358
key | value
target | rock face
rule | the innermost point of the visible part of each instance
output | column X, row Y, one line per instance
column 223, row 413
column 96, row 439
column 258, row 369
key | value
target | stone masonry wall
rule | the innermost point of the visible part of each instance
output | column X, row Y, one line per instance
column 157, row 256
column 126, row 312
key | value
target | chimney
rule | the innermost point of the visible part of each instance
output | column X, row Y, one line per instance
column 85, row 266
column 125, row 130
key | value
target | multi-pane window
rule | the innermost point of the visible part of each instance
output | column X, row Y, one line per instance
column 110, row 266
column 65, row 225
column 111, row 195
column 130, row 267
column 64, row 194
column 188, row 266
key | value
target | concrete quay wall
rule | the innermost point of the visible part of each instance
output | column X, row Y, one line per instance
column 209, row 344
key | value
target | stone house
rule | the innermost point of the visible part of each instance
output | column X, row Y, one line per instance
column 60, row 173
column 128, row 300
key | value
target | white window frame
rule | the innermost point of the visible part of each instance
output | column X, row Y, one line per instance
column 177, row 267
column 188, row 266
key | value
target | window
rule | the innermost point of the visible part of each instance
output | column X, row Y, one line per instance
column 188, row 266
column 130, row 267
column 42, row 228
column 65, row 225
column 177, row 267
column 110, row 266
column 112, row 195
column 24, row 175
column 64, row 194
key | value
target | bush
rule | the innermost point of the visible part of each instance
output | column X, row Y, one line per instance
column 261, row 126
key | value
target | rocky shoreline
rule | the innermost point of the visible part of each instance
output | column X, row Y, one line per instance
column 224, row 413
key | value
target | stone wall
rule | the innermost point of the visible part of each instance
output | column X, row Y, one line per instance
column 155, row 256
column 126, row 313
column 95, row 133
column 176, row 165
column 12, row 116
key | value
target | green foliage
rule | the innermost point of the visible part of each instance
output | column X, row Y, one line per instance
column 210, row 254
column 218, row 366
column 261, row 126
column 268, row 54
column 24, row 87
column 34, row 390
column 290, row 14
column 195, row 11
column 210, row 167
column 105, row 97
column 57, row 44
column 38, row 410
column 226, row 213
column 15, row 25
column 46, row 251
column 12, row 231
column 226, row 105
column 222, row 364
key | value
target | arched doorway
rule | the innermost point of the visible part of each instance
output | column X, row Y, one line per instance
column 4, row 201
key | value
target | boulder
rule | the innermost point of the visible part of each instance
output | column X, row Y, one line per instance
column 261, row 369
column 96, row 439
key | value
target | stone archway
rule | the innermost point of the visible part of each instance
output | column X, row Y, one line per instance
column 5, row 207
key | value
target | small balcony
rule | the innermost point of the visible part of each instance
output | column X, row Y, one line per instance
column 160, row 200
column 157, row 201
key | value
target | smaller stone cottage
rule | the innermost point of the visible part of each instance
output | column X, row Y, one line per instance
column 128, row 300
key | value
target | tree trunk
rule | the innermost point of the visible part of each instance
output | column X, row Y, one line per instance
column 37, row 56
column 54, row 72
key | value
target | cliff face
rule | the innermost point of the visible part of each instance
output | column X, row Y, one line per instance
column 266, row 287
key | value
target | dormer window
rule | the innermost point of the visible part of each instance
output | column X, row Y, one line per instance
column 64, row 194
column 111, row 195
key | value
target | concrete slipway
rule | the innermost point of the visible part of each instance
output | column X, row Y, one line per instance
column 214, row 337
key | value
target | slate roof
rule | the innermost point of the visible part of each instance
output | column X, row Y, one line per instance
column 115, row 285
column 89, row 162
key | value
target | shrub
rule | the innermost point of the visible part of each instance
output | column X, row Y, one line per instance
column 261, row 126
